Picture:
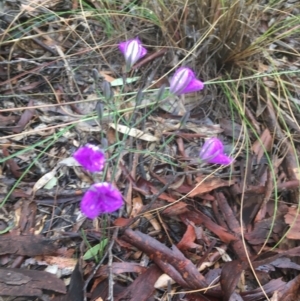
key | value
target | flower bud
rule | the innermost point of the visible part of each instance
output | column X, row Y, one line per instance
column 184, row 81
column 212, row 152
column 133, row 51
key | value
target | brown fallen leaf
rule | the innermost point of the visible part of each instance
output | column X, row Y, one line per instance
column 26, row 245
column 119, row 268
column 75, row 291
column 262, row 229
column 264, row 144
column 269, row 289
column 123, row 222
column 143, row 286
column 187, row 241
column 134, row 132
column 14, row 167
column 41, row 182
column 137, row 205
column 230, row 276
column 5, row 120
column 198, row 218
column 290, row 291
column 209, row 184
column 61, row 262
column 176, row 209
column 231, row 128
column 292, row 218
column 18, row 282
column 100, row 293
column 25, row 118
column 233, row 225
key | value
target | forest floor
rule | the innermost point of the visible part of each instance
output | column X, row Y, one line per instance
column 188, row 230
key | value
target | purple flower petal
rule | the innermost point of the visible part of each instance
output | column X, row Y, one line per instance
column 212, row 152
column 184, row 81
column 91, row 157
column 221, row 159
column 133, row 51
column 194, row 86
column 210, row 149
column 122, row 47
column 101, row 198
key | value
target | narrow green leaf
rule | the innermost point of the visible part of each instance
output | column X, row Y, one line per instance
column 95, row 250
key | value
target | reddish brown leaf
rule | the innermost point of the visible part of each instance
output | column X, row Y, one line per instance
column 292, row 218
column 146, row 188
column 123, row 222
column 163, row 195
column 259, row 147
column 176, row 209
column 230, row 276
column 209, row 184
column 187, row 241
column 143, row 286
column 199, row 218
column 142, row 186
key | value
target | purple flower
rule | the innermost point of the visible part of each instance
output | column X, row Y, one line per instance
column 184, row 81
column 133, row 51
column 213, row 152
column 101, row 198
column 91, row 157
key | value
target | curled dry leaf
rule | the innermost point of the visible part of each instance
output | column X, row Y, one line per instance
column 292, row 218
column 264, row 144
column 187, row 241
column 44, row 180
column 25, row 118
column 134, row 132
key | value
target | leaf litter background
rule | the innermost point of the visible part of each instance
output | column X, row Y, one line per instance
column 187, row 231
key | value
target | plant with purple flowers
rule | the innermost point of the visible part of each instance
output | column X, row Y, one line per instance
column 213, row 152
column 184, row 81
column 100, row 197
column 133, row 51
